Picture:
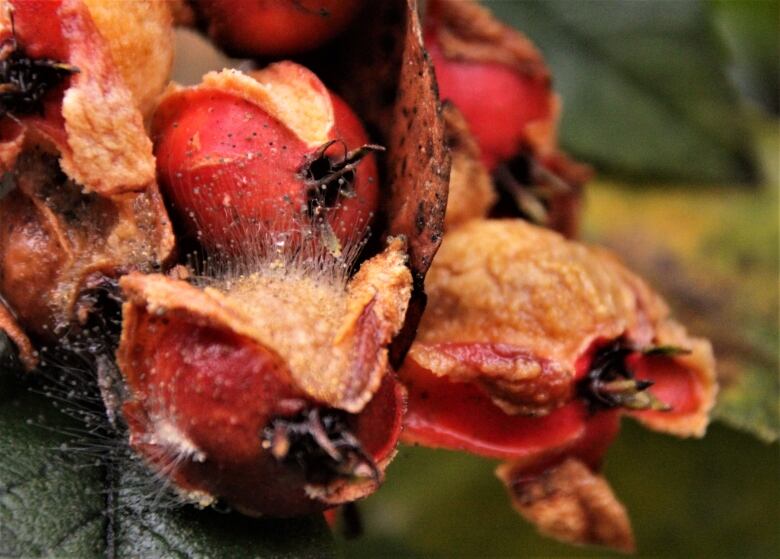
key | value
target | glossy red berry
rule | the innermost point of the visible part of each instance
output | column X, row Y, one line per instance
column 241, row 156
column 275, row 27
column 494, row 76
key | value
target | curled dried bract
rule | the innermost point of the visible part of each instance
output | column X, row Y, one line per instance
column 571, row 503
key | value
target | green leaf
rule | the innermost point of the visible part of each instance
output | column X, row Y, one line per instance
column 644, row 87
column 713, row 253
column 49, row 505
column 716, row 497
column 751, row 32
column 57, row 501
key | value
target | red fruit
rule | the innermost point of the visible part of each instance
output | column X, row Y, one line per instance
column 494, row 76
column 275, row 27
column 206, row 409
column 275, row 152
column 531, row 350
column 270, row 391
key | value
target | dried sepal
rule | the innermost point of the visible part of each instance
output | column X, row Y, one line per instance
column 108, row 150
column 571, row 503
column 322, row 331
column 139, row 35
column 514, row 308
column 471, row 193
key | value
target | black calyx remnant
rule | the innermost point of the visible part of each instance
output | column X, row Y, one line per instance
column 610, row 383
column 98, row 313
column 320, row 442
column 329, row 178
column 25, row 81
column 529, row 187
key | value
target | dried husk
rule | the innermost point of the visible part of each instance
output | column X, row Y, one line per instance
column 536, row 302
column 103, row 216
column 571, row 503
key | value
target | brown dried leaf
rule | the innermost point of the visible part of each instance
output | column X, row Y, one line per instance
column 571, row 503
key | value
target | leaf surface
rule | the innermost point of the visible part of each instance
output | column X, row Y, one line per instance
column 644, row 87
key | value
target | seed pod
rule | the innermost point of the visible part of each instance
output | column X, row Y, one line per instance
column 82, row 203
column 532, row 348
column 273, row 28
column 243, row 155
column 498, row 79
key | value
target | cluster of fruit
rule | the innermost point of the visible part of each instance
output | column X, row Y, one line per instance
column 279, row 374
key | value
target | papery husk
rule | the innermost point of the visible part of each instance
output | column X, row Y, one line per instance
column 139, row 35
column 524, row 304
column 320, row 331
column 105, row 216
column 571, row 503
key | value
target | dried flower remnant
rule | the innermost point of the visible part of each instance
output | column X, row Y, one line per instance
column 498, row 79
column 532, row 349
column 83, row 201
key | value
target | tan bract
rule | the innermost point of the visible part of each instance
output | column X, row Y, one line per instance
column 571, row 503
column 139, row 34
column 512, row 283
column 288, row 92
column 332, row 338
